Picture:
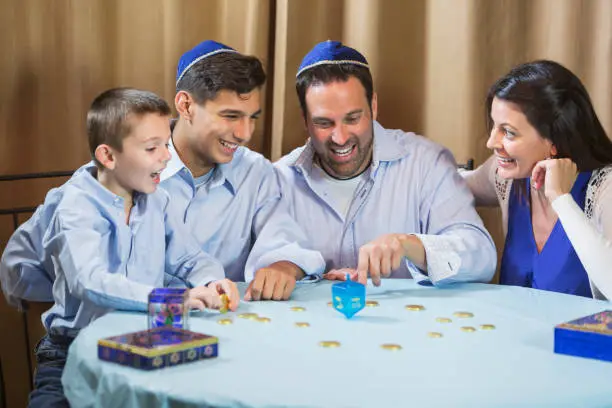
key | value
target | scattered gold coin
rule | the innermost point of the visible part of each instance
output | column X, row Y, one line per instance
column 434, row 335
column 468, row 329
column 298, row 309
column 328, row 343
column 443, row 320
column 251, row 316
column 390, row 346
column 263, row 319
column 416, row 308
column 371, row 303
column 302, row 324
column 487, row 327
column 330, row 303
column 225, row 321
column 463, row 314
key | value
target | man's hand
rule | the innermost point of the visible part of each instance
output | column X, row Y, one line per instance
column 384, row 255
column 340, row 274
column 275, row 282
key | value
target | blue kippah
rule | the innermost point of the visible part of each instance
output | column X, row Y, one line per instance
column 331, row 52
column 198, row 53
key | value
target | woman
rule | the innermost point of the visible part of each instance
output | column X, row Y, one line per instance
column 551, row 174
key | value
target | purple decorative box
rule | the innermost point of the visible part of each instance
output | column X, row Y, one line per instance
column 589, row 336
column 156, row 348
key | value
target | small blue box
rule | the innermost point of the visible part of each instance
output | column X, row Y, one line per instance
column 589, row 336
column 157, row 348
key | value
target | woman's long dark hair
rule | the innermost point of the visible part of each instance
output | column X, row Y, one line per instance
column 558, row 106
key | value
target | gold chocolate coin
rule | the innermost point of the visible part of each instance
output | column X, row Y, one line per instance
column 434, row 335
column 330, row 344
column 263, row 319
column 302, row 324
column 251, row 316
column 487, row 327
column 443, row 320
column 416, row 308
column 371, row 303
column 463, row 314
column 390, row 346
column 468, row 329
column 225, row 321
column 298, row 309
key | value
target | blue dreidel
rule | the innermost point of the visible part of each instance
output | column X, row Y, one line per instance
column 348, row 297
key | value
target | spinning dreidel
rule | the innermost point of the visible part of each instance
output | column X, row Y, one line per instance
column 348, row 297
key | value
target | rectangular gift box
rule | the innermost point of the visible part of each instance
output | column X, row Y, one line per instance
column 589, row 336
column 157, row 348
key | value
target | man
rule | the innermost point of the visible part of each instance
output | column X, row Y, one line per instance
column 228, row 195
column 373, row 201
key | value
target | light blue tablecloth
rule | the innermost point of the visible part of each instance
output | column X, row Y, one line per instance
column 279, row 364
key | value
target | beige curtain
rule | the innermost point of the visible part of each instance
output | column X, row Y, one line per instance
column 432, row 62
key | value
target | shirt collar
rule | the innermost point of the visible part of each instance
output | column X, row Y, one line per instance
column 86, row 179
column 223, row 172
column 387, row 148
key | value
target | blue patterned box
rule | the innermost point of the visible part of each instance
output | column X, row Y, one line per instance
column 158, row 348
column 589, row 336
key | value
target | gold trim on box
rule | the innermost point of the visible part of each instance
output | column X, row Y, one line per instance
column 158, row 351
column 589, row 328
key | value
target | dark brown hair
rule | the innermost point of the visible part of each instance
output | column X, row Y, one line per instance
column 224, row 71
column 558, row 106
column 327, row 73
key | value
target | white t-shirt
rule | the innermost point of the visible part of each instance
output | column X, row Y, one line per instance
column 340, row 192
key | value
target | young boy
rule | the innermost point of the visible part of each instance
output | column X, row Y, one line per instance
column 110, row 238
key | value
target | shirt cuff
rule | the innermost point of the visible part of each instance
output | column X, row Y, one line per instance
column 565, row 203
column 442, row 260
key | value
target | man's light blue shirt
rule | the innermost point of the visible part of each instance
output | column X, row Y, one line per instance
column 99, row 263
column 238, row 217
column 412, row 187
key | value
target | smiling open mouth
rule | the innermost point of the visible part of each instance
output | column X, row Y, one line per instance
column 229, row 146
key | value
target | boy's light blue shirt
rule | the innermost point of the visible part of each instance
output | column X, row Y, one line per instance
column 100, row 263
column 25, row 273
column 412, row 187
column 238, row 216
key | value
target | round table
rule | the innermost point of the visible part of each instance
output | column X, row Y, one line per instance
column 280, row 364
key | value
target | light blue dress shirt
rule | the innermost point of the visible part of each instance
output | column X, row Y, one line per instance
column 412, row 187
column 100, row 263
column 237, row 216
column 25, row 273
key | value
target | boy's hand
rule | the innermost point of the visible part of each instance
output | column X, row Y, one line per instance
column 202, row 297
column 230, row 289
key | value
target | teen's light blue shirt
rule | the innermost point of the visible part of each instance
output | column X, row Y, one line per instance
column 413, row 187
column 238, row 217
column 99, row 262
